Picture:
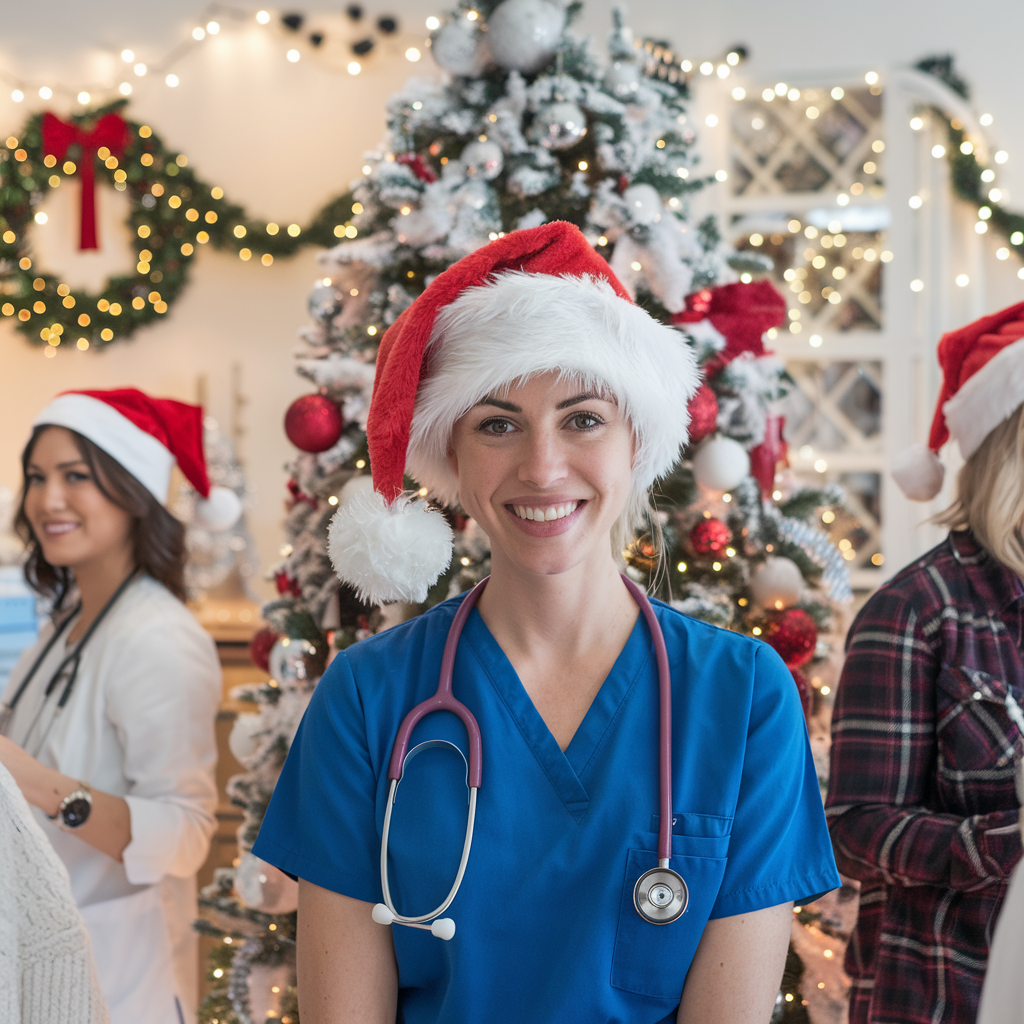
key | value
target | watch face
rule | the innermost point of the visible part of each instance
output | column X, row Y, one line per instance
column 76, row 812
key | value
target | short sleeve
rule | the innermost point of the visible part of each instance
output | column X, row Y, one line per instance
column 320, row 824
column 779, row 849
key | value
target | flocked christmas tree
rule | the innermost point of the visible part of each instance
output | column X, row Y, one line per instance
column 529, row 125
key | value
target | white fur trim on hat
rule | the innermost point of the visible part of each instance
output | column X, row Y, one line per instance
column 389, row 552
column 220, row 511
column 919, row 473
column 991, row 395
column 138, row 452
column 519, row 325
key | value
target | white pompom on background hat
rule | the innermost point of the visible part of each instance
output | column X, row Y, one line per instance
column 534, row 301
column 982, row 385
column 147, row 436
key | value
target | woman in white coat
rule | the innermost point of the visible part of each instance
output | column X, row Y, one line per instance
column 108, row 721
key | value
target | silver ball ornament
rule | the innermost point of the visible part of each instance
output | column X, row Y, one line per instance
column 622, row 80
column 720, row 463
column 559, row 125
column 523, row 35
column 459, row 47
column 264, row 887
column 288, row 660
column 482, row 159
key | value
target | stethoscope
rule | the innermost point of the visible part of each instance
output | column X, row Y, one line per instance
column 67, row 668
column 660, row 894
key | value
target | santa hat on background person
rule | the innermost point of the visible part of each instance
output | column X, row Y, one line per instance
column 739, row 312
column 147, row 436
column 534, row 301
column 982, row 385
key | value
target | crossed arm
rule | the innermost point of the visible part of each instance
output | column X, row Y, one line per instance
column 348, row 974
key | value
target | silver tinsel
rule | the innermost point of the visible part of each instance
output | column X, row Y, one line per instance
column 818, row 546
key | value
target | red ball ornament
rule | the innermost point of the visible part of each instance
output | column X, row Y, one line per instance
column 313, row 423
column 710, row 536
column 793, row 634
column 259, row 647
column 703, row 409
column 804, row 689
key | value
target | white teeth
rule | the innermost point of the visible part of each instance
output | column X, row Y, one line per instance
column 545, row 515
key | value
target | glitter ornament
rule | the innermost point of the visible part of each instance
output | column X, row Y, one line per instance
column 559, row 125
column 313, row 423
column 622, row 80
column 523, row 35
column 777, row 584
column 720, row 463
column 703, row 410
column 459, row 47
column 644, row 204
column 710, row 537
column 259, row 647
column 482, row 159
column 793, row 634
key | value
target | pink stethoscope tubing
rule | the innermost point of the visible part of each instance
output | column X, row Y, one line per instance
column 660, row 895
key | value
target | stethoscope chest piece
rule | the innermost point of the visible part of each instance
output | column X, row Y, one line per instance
column 660, row 895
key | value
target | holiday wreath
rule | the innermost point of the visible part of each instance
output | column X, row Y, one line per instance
column 172, row 213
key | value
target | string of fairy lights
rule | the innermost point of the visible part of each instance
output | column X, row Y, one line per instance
column 358, row 35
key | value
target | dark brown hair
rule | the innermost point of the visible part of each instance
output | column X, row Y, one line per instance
column 158, row 539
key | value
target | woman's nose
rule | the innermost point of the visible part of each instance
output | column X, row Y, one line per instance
column 543, row 463
column 54, row 498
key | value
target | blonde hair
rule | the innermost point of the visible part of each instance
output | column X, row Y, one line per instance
column 990, row 494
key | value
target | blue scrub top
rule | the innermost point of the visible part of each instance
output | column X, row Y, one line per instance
column 546, row 929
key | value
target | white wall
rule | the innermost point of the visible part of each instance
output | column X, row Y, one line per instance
column 283, row 138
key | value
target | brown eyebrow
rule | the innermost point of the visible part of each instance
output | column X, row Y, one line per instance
column 510, row 407
column 61, row 465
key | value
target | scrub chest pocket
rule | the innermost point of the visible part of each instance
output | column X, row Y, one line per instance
column 651, row 959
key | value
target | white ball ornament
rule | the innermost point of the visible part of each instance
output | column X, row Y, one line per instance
column 459, row 47
column 287, row 660
column 777, row 584
column 720, row 463
column 622, row 80
column 644, row 204
column 523, row 35
column 245, row 740
column 482, row 159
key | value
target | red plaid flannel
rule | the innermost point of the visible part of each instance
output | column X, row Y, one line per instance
column 921, row 803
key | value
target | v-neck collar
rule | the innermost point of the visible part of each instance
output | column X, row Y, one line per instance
column 564, row 769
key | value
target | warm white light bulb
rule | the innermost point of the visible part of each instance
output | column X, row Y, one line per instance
column 1002, row 156
column 433, row 23
column 45, row 92
column 17, row 95
column 263, row 17
column 213, row 27
column 963, row 280
column 84, row 97
column 412, row 54
column 127, row 56
column 739, row 93
column 198, row 33
column 140, row 69
column 871, row 78
column 172, row 80
column 354, row 67
column 293, row 55
column 125, row 89
column 985, row 120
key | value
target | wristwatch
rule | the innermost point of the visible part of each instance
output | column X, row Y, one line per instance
column 74, row 808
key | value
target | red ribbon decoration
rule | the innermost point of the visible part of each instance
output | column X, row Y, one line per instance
column 111, row 131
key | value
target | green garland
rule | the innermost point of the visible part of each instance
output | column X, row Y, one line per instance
column 173, row 214
column 965, row 169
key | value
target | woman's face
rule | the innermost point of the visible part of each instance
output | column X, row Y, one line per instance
column 74, row 521
column 545, row 471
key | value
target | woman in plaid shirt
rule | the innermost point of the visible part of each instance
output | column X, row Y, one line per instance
column 927, row 728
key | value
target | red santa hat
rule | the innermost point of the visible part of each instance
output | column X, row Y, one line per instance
column 147, row 436
column 982, row 385
column 534, row 301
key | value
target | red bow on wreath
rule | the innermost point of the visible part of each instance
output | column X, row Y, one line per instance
column 111, row 131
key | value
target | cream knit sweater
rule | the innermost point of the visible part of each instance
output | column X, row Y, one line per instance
column 46, row 971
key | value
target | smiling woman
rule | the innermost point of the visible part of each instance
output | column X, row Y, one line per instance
column 524, row 387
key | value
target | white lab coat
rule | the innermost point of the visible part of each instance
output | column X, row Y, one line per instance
column 139, row 724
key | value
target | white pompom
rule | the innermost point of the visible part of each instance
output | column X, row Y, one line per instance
column 220, row 511
column 778, row 583
column 919, row 472
column 720, row 463
column 389, row 552
column 353, row 485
